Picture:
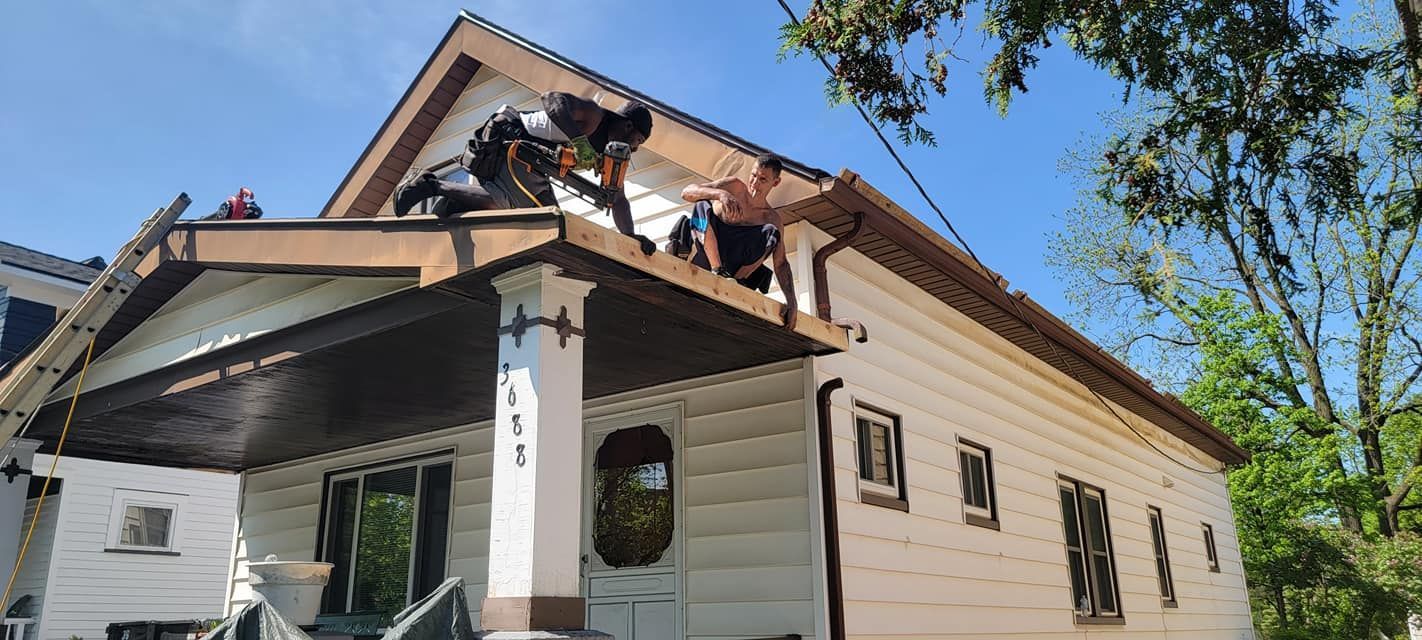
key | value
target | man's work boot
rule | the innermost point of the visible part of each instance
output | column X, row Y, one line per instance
column 417, row 186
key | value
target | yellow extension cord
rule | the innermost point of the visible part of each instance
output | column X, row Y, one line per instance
column 54, row 463
column 536, row 202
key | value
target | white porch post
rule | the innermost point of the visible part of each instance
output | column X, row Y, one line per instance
column 535, row 524
column 13, row 491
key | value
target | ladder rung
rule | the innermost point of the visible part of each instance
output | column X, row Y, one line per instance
column 29, row 382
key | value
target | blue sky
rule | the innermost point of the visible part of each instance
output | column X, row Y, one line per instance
column 112, row 108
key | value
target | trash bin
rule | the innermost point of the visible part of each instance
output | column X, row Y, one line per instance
column 151, row 630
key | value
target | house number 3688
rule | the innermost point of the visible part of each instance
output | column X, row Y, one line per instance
column 517, row 427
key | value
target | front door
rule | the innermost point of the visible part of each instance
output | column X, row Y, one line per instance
column 632, row 524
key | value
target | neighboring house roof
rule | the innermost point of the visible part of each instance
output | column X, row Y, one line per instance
column 894, row 238
column 44, row 263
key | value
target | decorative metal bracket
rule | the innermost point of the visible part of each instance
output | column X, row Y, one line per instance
column 13, row 469
column 562, row 325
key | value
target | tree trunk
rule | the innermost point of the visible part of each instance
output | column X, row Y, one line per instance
column 1409, row 12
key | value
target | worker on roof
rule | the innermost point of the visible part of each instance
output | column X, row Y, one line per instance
column 733, row 229
column 239, row 206
column 565, row 119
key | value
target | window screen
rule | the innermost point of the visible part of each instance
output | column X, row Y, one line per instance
column 876, row 454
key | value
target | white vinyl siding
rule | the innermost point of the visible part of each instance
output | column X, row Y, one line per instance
column 927, row 574
column 747, row 541
column 35, row 571
column 653, row 183
column 89, row 587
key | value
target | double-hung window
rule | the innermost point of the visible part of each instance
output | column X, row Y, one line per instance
column 1162, row 557
column 879, row 441
column 1212, row 556
column 386, row 528
column 979, row 496
column 1090, row 560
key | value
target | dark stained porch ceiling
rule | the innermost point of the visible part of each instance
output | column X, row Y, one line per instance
column 411, row 362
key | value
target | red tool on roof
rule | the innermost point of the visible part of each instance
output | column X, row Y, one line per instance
column 240, row 206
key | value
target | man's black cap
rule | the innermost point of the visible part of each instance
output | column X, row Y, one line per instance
column 639, row 115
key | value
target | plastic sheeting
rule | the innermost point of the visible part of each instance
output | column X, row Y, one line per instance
column 442, row 615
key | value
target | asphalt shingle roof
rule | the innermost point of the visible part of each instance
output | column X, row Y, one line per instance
column 18, row 256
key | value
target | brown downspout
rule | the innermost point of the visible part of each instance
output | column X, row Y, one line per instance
column 834, row 596
column 822, row 298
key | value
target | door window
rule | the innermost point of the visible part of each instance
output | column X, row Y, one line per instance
column 633, row 514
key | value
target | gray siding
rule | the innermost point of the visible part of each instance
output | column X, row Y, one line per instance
column 21, row 322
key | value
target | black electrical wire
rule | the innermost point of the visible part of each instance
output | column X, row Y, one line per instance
column 1071, row 370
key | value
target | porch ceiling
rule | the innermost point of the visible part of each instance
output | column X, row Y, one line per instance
column 414, row 361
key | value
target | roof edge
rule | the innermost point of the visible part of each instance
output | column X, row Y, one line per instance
column 993, row 288
column 726, row 137
column 389, row 119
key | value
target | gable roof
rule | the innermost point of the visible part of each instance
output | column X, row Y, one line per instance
column 473, row 42
column 44, row 263
column 894, row 238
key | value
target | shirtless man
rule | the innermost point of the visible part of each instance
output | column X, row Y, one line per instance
column 735, row 229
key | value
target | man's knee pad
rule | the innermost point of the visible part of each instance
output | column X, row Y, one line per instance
column 772, row 236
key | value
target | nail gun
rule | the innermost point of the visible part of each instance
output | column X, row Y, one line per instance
column 557, row 164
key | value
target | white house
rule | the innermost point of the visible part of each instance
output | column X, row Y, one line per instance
column 115, row 542
column 597, row 439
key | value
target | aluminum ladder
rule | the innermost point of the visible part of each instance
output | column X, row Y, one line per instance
column 33, row 377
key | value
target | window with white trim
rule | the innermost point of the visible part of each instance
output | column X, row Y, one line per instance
column 878, row 443
column 386, row 528
column 145, row 521
column 1212, row 557
column 1090, row 559
column 1162, row 556
column 979, row 495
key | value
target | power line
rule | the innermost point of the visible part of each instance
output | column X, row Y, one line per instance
column 1071, row 370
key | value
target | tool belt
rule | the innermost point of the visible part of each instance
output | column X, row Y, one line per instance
column 484, row 153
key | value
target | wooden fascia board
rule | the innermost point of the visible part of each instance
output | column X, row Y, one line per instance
column 627, row 251
column 850, row 192
column 681, row 142
column 436, row 249
column 443, row 249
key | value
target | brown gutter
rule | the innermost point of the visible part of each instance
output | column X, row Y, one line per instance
column 817, row 266
column 899, row 226
column 829, row 509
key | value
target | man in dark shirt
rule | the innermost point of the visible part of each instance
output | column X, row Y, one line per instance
column 565, row 119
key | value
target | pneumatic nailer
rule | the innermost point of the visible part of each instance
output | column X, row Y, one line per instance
column 557, row 163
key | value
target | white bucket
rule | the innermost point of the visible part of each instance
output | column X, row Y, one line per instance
column 294, row 588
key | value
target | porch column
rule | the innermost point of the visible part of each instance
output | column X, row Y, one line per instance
column 13, row 491
column 535, row 525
